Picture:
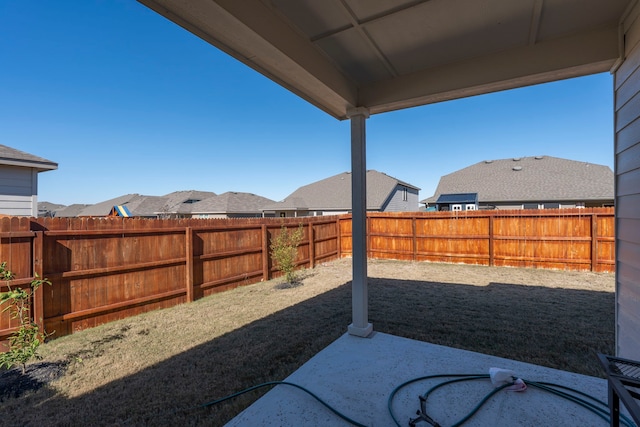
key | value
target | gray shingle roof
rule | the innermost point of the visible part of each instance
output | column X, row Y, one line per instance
column 176, row 202
column 71, row 210
column 231, row 202
column 11, row 156
column 46, row 209
column 103, row 208
column 334, row 193
column 147, row 206
column 151, row 206
column 540, row 178
column 48, row 206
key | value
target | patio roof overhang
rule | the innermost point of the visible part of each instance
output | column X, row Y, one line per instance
column 353, row 58
column 391, row 54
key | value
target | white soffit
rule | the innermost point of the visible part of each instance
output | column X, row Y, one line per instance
column 392, row 54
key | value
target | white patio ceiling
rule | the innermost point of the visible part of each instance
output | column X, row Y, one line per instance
column 391, row 54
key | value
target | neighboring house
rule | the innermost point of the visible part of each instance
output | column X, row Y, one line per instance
column 457, row 202
column 230, row 205
column 179, row 204
column 48, row 209
column 147, row 206
column 19, row 181
column 173, row 205
column 138, row 205
column 105, row 208
column 70, row 211
column 332, row 196
column 540, row 182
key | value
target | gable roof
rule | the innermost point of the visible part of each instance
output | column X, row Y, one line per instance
column 529, row 178
column 12, row 157
column 334, row 193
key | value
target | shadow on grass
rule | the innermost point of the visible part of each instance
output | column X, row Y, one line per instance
column 558, row 328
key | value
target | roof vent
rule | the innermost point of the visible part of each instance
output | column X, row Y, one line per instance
column 539, row 157
column 517, row 168
column 516, row 159
column 488, row 161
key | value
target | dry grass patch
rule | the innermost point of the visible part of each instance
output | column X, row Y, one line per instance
column 157, row 368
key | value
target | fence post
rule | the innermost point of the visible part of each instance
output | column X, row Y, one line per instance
column 265, row 253
column 338, row 238
column 367, row 233
column 415, row 237
column 312, row 246
column 594, row 241
column 491, row 240
column 188, row 253
column 38, row 300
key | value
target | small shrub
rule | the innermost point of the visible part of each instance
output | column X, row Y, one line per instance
column 24, row 343
column 284, row 250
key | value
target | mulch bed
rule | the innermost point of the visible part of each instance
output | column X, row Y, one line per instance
column 13, row 383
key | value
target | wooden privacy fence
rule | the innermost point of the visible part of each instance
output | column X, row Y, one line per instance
column 565, row 239
column 104, row 269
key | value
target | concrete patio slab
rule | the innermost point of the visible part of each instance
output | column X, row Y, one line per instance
column 357, row 375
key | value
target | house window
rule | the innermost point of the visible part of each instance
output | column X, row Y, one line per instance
column 530, row 206
column 552, row 205
column 456, row 207
column 404, row 194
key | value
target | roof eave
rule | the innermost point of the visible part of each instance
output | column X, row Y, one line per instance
column 39, row 166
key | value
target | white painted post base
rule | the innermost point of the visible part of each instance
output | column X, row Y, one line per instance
column 360, row 332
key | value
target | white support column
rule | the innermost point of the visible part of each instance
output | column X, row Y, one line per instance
column 360, row 325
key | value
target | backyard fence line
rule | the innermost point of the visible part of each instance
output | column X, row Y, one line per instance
column 103, row 269
column 563, row 239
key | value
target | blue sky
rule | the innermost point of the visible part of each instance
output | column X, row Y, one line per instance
column 128, row 102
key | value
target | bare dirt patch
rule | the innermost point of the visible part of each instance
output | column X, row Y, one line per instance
column 160, row 367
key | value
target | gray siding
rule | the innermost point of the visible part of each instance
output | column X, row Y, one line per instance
column 397, row 203
column 18, row 189
column 627, row 176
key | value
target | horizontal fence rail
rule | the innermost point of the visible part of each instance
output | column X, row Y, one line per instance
column 103, row 269
column 564, row 239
